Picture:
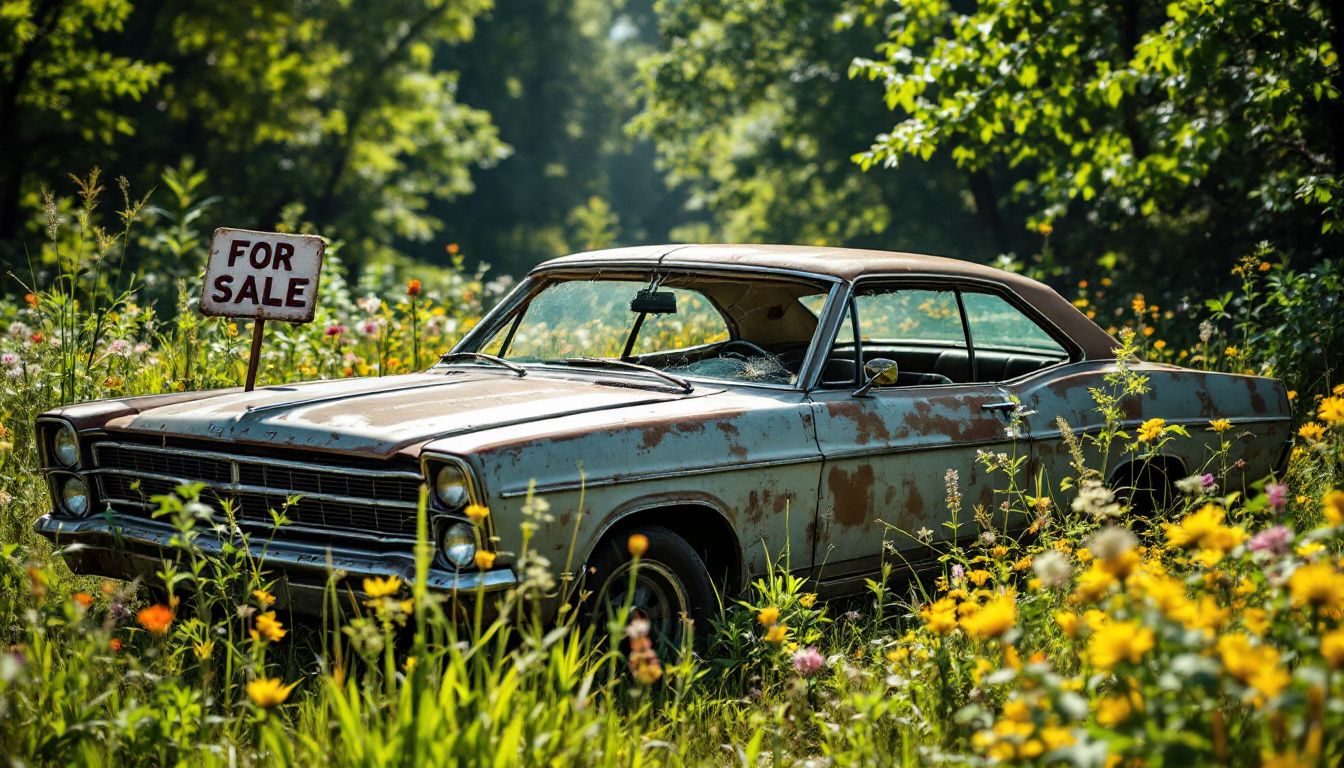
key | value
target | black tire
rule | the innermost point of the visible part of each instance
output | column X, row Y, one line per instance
column 671, row 580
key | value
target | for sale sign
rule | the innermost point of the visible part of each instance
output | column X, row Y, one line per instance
column 262, row 275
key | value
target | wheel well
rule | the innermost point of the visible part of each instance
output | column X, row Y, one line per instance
column 707, row 531
column 1149, row 484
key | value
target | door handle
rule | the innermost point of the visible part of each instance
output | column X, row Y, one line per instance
column 1002, row 407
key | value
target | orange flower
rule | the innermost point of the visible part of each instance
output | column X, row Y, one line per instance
column 31, row 299
column 452, row 249
column 156, row 619
column 115, row 645
column 637, row 544
column 413, row 288
column 83, row 598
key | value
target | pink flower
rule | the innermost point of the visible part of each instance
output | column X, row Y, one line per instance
column 1273, row 541
column 1207, row 481
column 1277, row 495
column 807, row 661
column 335, row 330
column 958, row 573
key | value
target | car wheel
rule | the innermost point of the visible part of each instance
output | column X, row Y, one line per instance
column 670, row 582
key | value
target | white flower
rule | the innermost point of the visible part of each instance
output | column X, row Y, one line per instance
column 1193, row 485
column 1112, row 542
column 1052, row 568
column 1095, row 500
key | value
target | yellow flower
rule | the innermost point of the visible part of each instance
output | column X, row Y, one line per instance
column 637, row 544
column 485, row 559
column 1332, row 648
column 1068, row 622
column 808, row 600
column 263, row 597
column 1331, row 411
column 1121, row 641
column 978, row 577
column 776, row 634
column 269, row 627
column 768, row 616
column 379, row 587
column 1204, row 529
column 941, row 617
column 1256, row 620
column 1318, row 586
column 1308, row 549
column 267, row 692
column 993, row 619
column 477, row 513
column 203, row 650
column 1118, row 707
column 1254, row 665
column 1220, row 425
column 1333, row 507
column 1159, row 345
column 1138, row 303
column 1232, row 351
column 1093, row 584
column 1151, row 429
column 1311, row 432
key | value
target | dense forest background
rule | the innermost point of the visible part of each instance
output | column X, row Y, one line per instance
column 1128, row 137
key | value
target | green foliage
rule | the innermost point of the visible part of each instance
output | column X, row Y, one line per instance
column 1206, row 119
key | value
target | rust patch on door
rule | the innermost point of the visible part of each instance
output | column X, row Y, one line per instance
column 852, row 493
column 868, row 425
column 735, row 446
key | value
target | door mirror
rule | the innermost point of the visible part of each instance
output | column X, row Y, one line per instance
column 881, row 372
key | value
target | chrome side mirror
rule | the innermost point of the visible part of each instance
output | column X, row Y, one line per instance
column 881, row 372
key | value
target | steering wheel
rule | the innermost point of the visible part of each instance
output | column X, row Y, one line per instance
column 725, row 350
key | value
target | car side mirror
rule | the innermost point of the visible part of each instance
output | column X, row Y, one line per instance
column 881, row 372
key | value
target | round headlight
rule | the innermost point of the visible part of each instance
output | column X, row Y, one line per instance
column 450, row 485
column 75, row 497
column 65, row 446
column 458, row 544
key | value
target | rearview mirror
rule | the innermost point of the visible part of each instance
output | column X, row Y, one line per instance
column 652, row 302
column 881, row 372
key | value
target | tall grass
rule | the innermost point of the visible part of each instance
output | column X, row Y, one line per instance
column 1214, row 639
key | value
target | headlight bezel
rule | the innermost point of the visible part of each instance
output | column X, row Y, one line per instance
column 63, row 495
column 445, row 518
column 55, row 446
column 459, row 555
column 459, row 487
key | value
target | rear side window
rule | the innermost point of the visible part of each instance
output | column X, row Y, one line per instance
column 911, row 315
column 996, row 324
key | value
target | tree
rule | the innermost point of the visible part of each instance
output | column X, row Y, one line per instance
column 1166, row 129
column 59, row 89
column 752, row 112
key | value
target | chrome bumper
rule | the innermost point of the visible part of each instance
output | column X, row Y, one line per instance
column 128, row 548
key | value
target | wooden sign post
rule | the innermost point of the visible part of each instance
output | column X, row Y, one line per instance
column 262, row 276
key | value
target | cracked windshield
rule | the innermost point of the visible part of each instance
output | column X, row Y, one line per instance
column 742, row 329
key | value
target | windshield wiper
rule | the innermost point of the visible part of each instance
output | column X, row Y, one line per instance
column 604, row 362
column 450, row 356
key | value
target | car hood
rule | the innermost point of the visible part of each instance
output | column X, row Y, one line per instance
column 382, row 416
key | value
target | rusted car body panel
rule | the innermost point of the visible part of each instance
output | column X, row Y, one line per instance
column 748, row 472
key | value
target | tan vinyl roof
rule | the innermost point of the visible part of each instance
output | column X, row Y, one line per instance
column 851, row 264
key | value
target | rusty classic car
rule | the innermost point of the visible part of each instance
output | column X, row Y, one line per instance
column 732, row 403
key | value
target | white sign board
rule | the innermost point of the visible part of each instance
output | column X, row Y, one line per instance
column 265, row 275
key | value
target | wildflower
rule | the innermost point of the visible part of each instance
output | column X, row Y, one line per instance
column 1254, row 665
column 1095, row 500
column 645, row 666
column 1138, row 304
column 1272, row 541
column 776, row 634
column 1191, row 485
column 941, row 616
column 1205, row 331
column 1277, row 495
column 807, row 661
column 1151, row 429
column 83, row 599
column 203, row 650
column 1118, row 707
column 1204, row 529
column 808, row 600
column 336, row 330
column 1311, row 432
column 1122, row 641
column 768, row 616
column 268, row 692
column 978, row 577
column 452, row 249
column 119, row 348
column 263, row 597
column 477, row 513
column 413, row 287
column 1095, row 582
column 1331, row 411
column 1309, row 549
column 379, row 587
column 1318, row 586
column 1068, row 622
column 924, row 535
column 267, row 626
column 116, row 645
column 993, row 619
column 637, row 544
column 156, row 619
column 1220, row 425
column 30, row 299
column 1333, row 508
column 1332, row 648
column 231, row 329
column 485, row 559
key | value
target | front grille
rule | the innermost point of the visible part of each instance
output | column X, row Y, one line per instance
column 344, row 500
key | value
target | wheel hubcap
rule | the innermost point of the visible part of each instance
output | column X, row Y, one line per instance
column 658, row 597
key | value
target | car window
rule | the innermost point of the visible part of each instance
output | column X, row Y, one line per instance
column 695, row 324
column 997, row 324
column 910, row 315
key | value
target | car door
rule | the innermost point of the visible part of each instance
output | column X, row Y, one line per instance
column 902, row 459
